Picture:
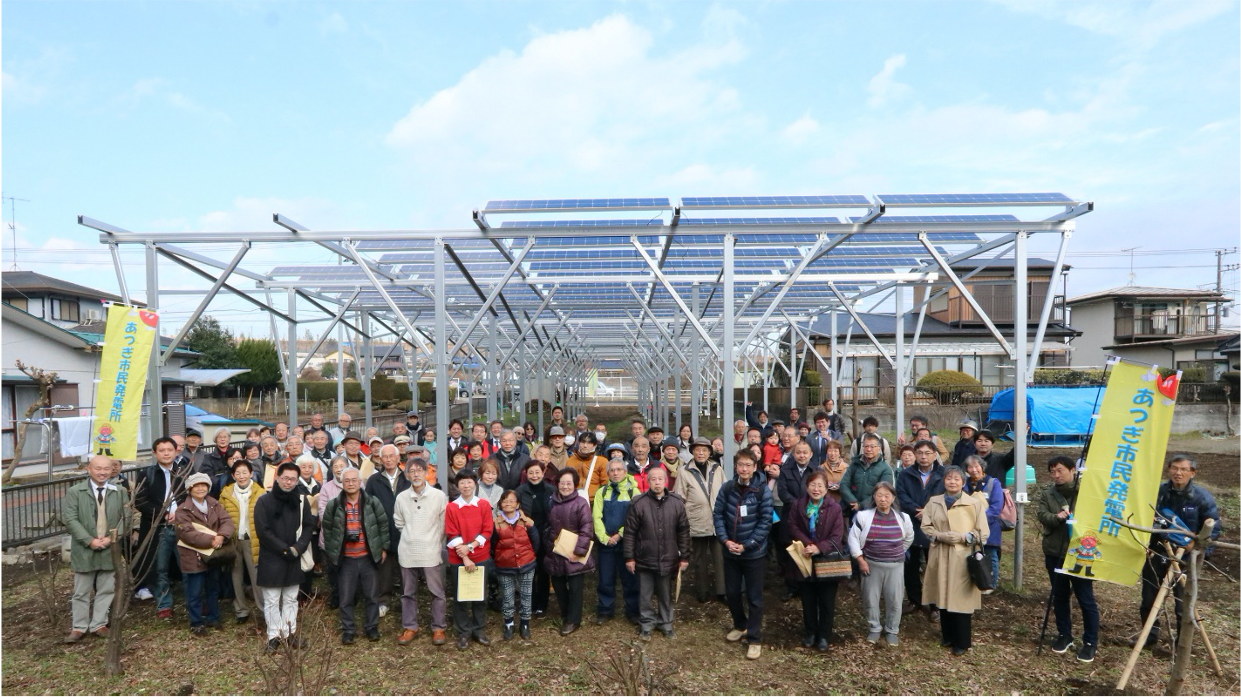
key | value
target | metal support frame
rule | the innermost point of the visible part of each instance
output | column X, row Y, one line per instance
column 115, row 251
column 282, row 359
column 198, row 311
column 965, row 293
column 695, row 399
column 728, row 369
column 676, row 297
column 239, row 293
column 1020, row 331
column 858, row 320
column 155, row 383
column 367, row 365
column 440, row 356
column 292, row 347
column 899, row 366
column 335, row 322
column 1048, row 301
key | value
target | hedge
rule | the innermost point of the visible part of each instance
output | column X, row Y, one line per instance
column 948, row 386
column 384, row 390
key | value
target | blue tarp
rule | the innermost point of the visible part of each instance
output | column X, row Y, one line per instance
column 1053, row 411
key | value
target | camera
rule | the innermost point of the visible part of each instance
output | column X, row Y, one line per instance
column 353, row 536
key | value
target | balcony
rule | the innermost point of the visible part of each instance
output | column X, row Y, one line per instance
column 1162, row 325
column 999, row 307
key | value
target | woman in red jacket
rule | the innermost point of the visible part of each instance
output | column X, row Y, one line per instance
column 515, row 540
column 468, row 525
column 816, row 520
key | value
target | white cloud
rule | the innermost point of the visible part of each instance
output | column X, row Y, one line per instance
column 160, row 90
column 1141, row 25
column 801, row 129
column 333, row 24
column 28, row 81
column 583, row 100
column 703, row 178
column 883, row 86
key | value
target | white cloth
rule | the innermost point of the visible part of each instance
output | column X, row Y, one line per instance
column 420, row 519
column 75, row 435
column 280, row 611
column 242, row 496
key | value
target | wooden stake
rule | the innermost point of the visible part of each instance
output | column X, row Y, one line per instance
column 1151, row 617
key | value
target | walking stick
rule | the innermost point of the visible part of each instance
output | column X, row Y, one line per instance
column 1046, row 616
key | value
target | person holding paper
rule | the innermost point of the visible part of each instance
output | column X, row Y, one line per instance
column 815, row 520
column 657, row 548
column 469, row 525
column 742, row 520
column 570, row 532
column 196, row 521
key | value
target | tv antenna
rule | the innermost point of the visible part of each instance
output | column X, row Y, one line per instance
column 1132, row 276
column 13, row 225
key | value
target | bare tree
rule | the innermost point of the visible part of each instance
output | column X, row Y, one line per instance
column 44, row 380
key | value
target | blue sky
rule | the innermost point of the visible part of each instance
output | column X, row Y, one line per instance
column 196, row 115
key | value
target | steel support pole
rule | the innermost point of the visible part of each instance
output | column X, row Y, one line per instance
column 292, row 346
column 695, row 383
column 1020, row 330
column 835, row 363
column 340, row 369
column 899, row 371
column 493, row 355
column 523, row 395
column 367, row 366
column 440, row 355
column 728, row 369
column 155, row 383
column 1048, row 301
column 120, row 272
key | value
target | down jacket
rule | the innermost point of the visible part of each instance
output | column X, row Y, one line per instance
column 743, row 515
column 374, row 527
column 230, row 504
column 912, row 495
column 657, row 533
column 515, row 545
column 572, row 514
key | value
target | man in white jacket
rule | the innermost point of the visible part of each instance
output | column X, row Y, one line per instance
column 419, row 514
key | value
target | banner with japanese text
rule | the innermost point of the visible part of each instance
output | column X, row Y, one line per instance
column 1122, row 474
column 127, row 342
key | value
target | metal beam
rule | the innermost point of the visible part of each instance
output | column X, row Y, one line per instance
column 185, row 264
column 198, row 311
column 728, row 369
column 676, row 297
column 352, row 249
column 965, row 293
column 858, row 320
column 790, row 280
column 120, row 272
column 490, row 298
column 530, row 324
column 1045, row 314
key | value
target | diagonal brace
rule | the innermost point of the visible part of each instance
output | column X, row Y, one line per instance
column 858, row 319
column 198, row 311
column 969, row 297
column 676, row 297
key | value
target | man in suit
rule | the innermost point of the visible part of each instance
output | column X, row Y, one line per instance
column 160, row 488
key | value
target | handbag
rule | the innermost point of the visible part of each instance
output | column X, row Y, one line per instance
column 979, row 565
column 835, row 565
column 1008, row 512
column 223, row 556
column 307, row 558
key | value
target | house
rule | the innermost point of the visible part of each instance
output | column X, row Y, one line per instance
column 953, row 336
column 1172, row 327
column 57, row 302
column 393, row 359
column 74, row 354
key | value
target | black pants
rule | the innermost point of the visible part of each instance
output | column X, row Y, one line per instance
column 818, row 607
column 956, row 628
column 788, row 568
column 1153, row 571
column 569, row 593
column 352, row 575
column 470, row 618
column 1062, row 585
column 747, row 573
column 542, row 586
column 913, row 573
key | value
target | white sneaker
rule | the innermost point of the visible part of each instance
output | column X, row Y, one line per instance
column 754, row 651
column 383, row 610
column 735, row 635
column 144, row 594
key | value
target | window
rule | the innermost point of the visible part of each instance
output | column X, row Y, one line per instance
column 65, row 310
column 1206, row 355
column 19, row 303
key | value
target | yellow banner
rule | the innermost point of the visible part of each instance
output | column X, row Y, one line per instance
column 122, row 378
column 1122, row 474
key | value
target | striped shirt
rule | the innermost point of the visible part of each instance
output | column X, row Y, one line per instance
column 884, row 541
column 353, row 524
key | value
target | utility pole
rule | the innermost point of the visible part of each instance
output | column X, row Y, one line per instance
column 1219, row 281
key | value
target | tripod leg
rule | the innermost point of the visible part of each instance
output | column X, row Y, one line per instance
column 1166, row 586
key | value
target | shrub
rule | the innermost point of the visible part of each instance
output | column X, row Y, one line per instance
column 1069, row 376
column 1231, row 379
column 811, row 378
column 949, row 386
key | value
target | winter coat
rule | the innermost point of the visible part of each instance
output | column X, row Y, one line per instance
column 511, row 466
column 378, row 487
column 772, row 452
column 230, row 504
column 374, row 526
column 1193, row 505
column 658, row 533
column 860, row 530
column 699, row 490
column 818, row 447
column 990, row 491
column 572, row 514
column 215, row 463
column 608, row 512
column 586, row 478
column 639, row 474
column 516, row 546
column 559, row 458
column 833, row 477
column 829, row 530
column 885, row 448
column 946, row 583
column 858, row 483
column 791, row 485
column 215, row 518
column 911, row 495
column 742, row 514
column 1056, row 498
column 420, row 520
column 963, row 449
column 78, row 509
column 999, row 464
column 151, row 495
column 536, row 501
column 277, row 517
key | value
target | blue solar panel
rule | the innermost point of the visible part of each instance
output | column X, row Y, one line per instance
column 893, row 219
column 656, row 222
column 772, row 201
column 574, row 204
column 975, row 199
column 866, row 238
column 804, row 220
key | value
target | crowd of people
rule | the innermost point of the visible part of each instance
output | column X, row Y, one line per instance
column 508, row 516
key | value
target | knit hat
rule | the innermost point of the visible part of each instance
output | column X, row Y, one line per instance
column 195, row 479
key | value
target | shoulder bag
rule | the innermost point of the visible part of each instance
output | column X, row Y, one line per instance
column 979, row 565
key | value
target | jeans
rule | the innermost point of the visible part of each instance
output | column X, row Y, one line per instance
column 1083, row 588
column 748, row 573
column 913, row 573
column 885, row 582
column 354, row 574
column 202, row 588
column 166, row 556
column 103, row 583
column 818, row 607
column 280, row 611
column 993, row 552
column 512, row 585
column 569, row 592
column 470, row 617
column 660, row 614
column 612, row 562
column 433, row 576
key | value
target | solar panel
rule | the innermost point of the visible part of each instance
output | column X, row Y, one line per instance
column 1036, row 199
column 646, row 222
column 803, row 220
column 722, row 202
column 575, row 204
column 894, row 219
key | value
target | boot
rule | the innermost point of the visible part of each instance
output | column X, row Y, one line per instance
column 508, row 628
column 525, row 630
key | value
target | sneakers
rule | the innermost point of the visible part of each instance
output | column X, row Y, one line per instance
column 735, row 635
column 165, row 614
column 438, row 637
column 872, row 638
column 754, row 652
column 144, row 594
column 1062, row 644
column 893, row 640
column 198, row 630
column 406, row 636
column 1086, row 653
column 383, row 610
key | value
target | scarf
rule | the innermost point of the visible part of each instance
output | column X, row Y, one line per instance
column 812, row 511
column 202, row 507
column 242, row 497
column 950, row 501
